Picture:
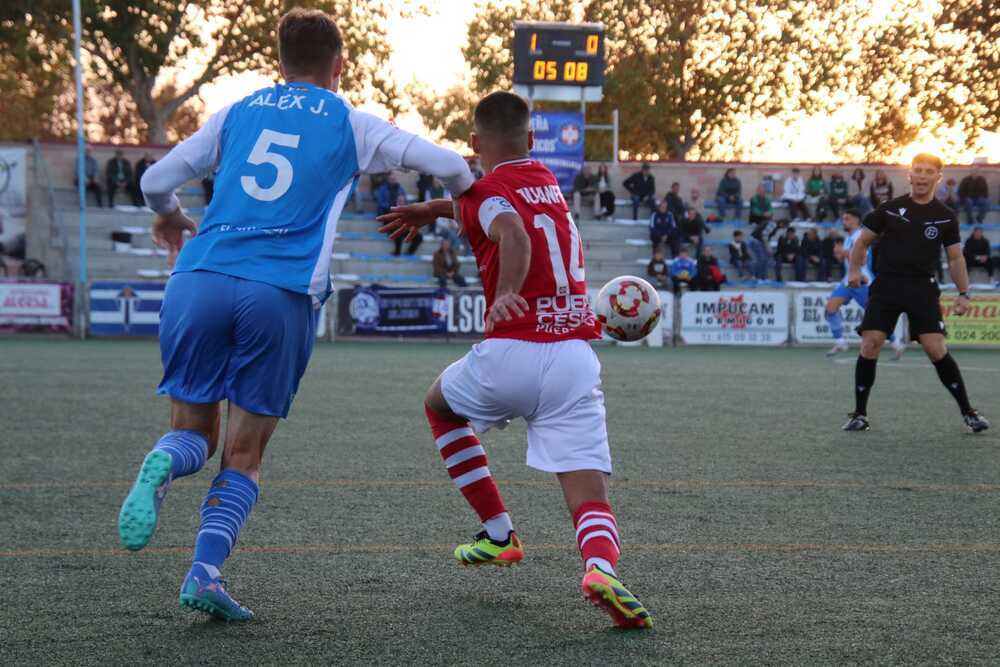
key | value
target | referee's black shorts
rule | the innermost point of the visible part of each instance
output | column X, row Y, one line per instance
column 917, row 296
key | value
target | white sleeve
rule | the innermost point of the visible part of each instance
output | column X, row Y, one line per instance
column 380, row 144
column 490, row 209
column 195, row 157
column 427, row 158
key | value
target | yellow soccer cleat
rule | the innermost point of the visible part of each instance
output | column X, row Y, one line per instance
column 606, row 592
column 485, row 551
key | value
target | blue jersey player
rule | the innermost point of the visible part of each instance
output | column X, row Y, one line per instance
column 843, row 294
column 239, row 314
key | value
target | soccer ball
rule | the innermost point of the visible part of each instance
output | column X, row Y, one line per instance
column 628, row 308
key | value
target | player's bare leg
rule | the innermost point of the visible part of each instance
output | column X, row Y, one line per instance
column 951, row 377
column 467, row 465
column 833, row 305
column 228, row 503
column 586, row 493
column 193, row 437
column 872, row 341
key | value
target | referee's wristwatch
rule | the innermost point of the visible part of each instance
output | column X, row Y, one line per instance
column 963, row 295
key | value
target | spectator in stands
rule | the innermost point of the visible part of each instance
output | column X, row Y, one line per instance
column 90, row 170
column 446, row 265
column 859, row 200
column 447, row 228
column 118, row 176
column 729, row 195
column 141, row 166
column 794, row 195
column 683, row 270
column 435, row 190
column 388, row 194
column 657, row 269
column 787, row 253
column 663, row 229
column 829, row 255
column 642, row 187
column 696, row 202
column 760, row 206
column 816, row 195
column 584, row 190
column 710, row 277
column 977, row 252
column 974, row 193
column 675, row 203
column 605, row 194
column 693, row 229
column 477, row 171
column 947, row 194
column 739, row 255
column 810, row 256
column 424, row 184
column 759, row 244
column 398, row 241
column 881, row 189
column 837, row 194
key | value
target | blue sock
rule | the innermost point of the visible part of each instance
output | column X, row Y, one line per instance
column 188, row 450
column 223, row 513
column 836, row 325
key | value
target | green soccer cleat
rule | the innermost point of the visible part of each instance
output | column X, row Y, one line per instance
column 484, row 551
column 606, row 592
column 205, row 593
column 141, row 509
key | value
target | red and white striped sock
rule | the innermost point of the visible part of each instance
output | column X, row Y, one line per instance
column 597, row 536
column 465, row 459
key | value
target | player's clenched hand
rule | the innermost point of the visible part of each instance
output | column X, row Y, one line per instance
column 406, row 220
column 961, row 306
column 855, row 279
column 506, row 307
column 168, row 233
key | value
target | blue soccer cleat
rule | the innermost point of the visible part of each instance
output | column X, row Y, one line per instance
column 206, row 593
column 141, row 509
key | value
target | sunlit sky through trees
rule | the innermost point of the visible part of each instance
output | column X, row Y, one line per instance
column 427, row 50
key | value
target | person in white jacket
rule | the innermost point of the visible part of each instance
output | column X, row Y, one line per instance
column 794, row 196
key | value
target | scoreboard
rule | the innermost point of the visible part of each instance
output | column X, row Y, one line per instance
column 559, row 54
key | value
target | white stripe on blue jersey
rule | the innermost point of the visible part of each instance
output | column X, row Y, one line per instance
column 866, row 270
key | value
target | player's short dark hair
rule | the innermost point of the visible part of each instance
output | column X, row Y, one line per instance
column 853, row 211
column 308, row 41
column 929, row 159
column 503, row 115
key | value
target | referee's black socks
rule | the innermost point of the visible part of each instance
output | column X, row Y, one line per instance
column 951, row 378
column 864, row 378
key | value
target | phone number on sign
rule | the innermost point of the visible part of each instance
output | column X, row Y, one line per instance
column 975, row 335
column 735, row 337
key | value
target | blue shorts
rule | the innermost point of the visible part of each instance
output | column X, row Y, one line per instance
column 858, row 294
column 223, row 337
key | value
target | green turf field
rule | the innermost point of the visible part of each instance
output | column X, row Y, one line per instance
column 754, row 530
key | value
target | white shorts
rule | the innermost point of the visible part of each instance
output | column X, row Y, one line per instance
column 556, row 387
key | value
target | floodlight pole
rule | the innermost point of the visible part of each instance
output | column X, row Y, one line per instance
column 80, row 170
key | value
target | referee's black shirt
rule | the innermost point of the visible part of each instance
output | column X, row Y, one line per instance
column 911, row 235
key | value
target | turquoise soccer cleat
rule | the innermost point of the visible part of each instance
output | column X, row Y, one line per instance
column 203, row 592
column 141, row 509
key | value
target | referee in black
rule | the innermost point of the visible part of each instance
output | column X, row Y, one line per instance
column 910, row 230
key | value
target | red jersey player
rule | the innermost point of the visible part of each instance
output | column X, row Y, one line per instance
column 536, row 361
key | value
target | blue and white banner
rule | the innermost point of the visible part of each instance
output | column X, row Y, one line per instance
column 396, row 311
column 125, row 308
column 559, row 144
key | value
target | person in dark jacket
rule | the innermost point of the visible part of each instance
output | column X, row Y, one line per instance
column 787, row 253
column 663, row 229
column 658, row 270
column 829, row 243
column 446, row 265
column 642, row 186
column 729, row 195
column 810, row 256
column 739, row 255
column 141, row 166
column 838, row 194
column 388, row 193
column 974, row 193
column 693, row 229
column 977, row 251
column 710, row 277
column 118, row 176
column 605, row 194
column 675, row 204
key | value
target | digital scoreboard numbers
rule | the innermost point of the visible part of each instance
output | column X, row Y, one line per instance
column 558, row 54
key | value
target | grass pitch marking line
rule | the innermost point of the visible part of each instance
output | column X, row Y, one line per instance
column 665, row 484
column 665, row 547
column 903, row 364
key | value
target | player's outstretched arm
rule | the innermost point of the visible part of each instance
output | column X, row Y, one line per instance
column 507, row 231
column 410, row 218
column 960, row 276
column 859, row 255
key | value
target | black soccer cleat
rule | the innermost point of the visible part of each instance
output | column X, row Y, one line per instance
column 975, row 421
column 857, row 422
